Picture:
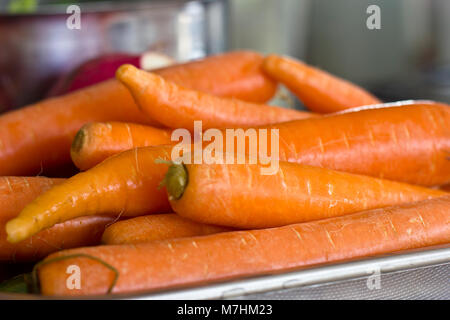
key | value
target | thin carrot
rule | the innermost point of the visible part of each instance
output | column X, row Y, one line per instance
column 156, row 227
column 177, row 107
column 97, row 141
column 230, row 255
column 15, row 194
column 238, row 195
column 123, row 185
column 320, row 91
column 39, row 136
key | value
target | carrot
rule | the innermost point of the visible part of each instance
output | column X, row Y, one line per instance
column 123, row 185
column 230, row 255
column 236, row 74
column 156, row 227
column 320, row 91
column 39, row 136
column 97, row 141
column 238, row 195
column 406, row 141
column 15, row 193
column 177, row 107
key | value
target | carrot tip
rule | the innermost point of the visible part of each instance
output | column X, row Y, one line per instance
column 176, row 181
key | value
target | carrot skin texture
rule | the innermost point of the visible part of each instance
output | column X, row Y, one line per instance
column 177, row 107
column 39, row 136
column 156, row 227
column 15, row 193
column 237, row 195
column 320, row 91
column 99, row 140
column 408, row 143
column 224, row 256
column 123, row 185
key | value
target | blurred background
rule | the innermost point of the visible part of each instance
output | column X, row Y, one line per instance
column 407, row 58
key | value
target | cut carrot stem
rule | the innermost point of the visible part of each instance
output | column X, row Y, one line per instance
column 39, row 136
column 97, row 141
column 230, row 255
column 177, row 107
column 320, row 91
column 15, row 194
column 238, row 195
column 124, row 185
column 156, row 227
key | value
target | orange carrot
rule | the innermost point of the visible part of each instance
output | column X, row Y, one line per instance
column 39, row 136
column 177, row 107
column 15, row 194
column 407, row 141
column 238, row 195
column 123, row 185
column 320, row 91
column 97, row 141
column 446, row 188
column 230, row 255
column 236, row 74
column 156, row 227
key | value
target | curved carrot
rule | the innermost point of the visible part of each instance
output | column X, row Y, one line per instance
column 177, row 107
column 15, row 194
column 124, row 185
column 156, row 227
column 238, row 195
column 39, row 136
column 320, row 91
column 97, row 141
column 236, row 74
column 230, row 255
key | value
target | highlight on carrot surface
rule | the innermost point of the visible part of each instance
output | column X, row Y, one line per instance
column 406, row 141
column 97, row 141
column 319, row 91
column 177, row 107
column 38, row 137
column 230, row 255
column 156, row 227
column 15, row 194
column 238, row 195
column 126, row 184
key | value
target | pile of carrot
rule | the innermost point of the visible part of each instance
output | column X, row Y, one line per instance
column 354, row 177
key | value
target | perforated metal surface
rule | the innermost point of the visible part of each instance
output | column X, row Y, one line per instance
column 422, row 283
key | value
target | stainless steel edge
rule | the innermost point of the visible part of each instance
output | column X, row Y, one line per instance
column 305, row 277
